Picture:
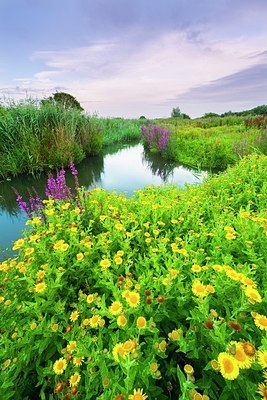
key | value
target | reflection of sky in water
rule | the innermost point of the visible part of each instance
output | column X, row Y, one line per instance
column 124, row 171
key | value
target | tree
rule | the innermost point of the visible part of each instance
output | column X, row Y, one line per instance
column 176, row 112
column 65, row 100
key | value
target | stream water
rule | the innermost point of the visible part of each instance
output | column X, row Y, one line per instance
column 123, row 168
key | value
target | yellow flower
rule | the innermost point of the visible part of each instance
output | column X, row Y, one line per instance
column 37, row 221
column 262, row 390
column 228, row 366
column 75, row 379
column 29, row 251
column 162, row 346
column 90, row 298
column 262, row 358
column 215, row 365
column 141, row 322
column 130, row 345
column 196, row 268
column 58, row 244
column 71, row 346
column 77, row 361
column 133, row 299
column 175, row 334
column 115, row 308
column 40, row 274
column 79, row 256
column 138, row 395
column 94, row 321
column 120, row 253
column 199, row 289
column 104, row 264
column 54, row 327
column 233, row 275
column 74, row 316
column 252, row 294
column 261, row 321
column 217, row 268
column 18, row 244
column 60, row 366
column 188, row 369
column 121, row 320
column 118, row 350
column 64, row 247
column 33, row 325
column 153, row 367
column 247, row 281
column 66, row 206
column 49, row 211
column 118, row 260
column 86, row 322
column 243, row 360
column 40, row 287
column 230, row 236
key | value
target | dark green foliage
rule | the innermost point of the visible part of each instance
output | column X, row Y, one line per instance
column 65, row 100
column 176, row 113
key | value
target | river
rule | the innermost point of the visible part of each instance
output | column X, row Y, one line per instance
column 123, row 168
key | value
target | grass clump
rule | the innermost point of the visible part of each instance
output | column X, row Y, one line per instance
column 159, row 296
column 36, row 138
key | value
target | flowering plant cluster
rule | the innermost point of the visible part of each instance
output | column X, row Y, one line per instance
column 56, row 189
column 154, row 137
column 159, row 296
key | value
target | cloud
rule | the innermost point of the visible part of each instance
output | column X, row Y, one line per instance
column 248, row 86
column 142, row 57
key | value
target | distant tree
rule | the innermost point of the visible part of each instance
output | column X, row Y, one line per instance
column 185, row 116
column 142, row 117
column 65, row 100
column 260, row 110
column 176, row 113
column 210, row 115
column 227, row 114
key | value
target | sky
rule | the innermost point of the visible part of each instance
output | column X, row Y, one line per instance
column 127, row 58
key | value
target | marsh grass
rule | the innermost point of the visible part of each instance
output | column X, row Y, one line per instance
column 35, row 138
column 119, row 130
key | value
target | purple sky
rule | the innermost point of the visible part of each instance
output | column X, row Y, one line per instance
column 127, row 58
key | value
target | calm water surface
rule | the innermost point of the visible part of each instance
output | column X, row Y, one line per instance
column 123, row 168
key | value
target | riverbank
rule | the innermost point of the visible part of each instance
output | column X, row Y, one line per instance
column 207, row 143
column 121, row 295
column 35, row 139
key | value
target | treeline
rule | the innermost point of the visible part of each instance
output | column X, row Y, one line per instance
column 259, row 110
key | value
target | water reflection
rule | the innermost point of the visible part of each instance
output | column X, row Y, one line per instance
column 123, row 168
column 158, row 165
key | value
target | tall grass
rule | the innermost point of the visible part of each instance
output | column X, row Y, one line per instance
column 117, row 130
column 36, row 138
